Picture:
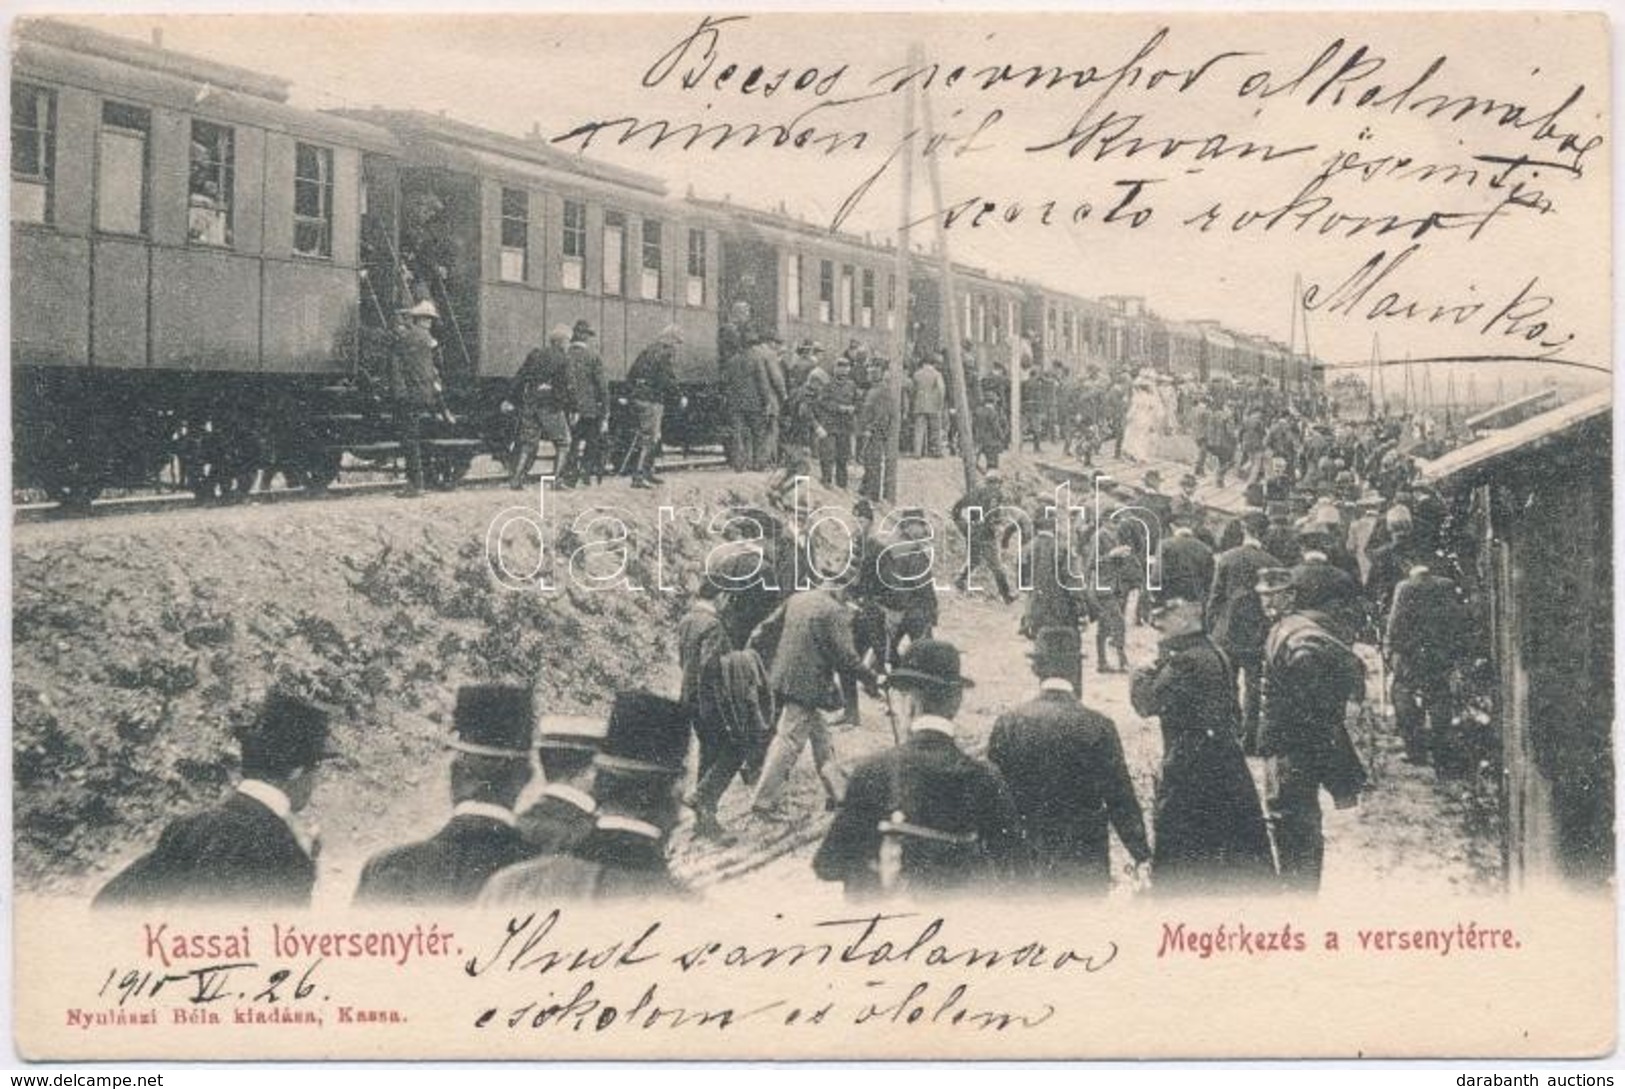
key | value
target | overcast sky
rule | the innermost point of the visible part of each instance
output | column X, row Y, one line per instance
column 556, row 72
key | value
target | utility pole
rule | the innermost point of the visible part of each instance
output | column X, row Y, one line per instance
column 900, row 275
column 956, row 369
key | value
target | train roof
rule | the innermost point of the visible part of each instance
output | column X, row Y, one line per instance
column 155, row 58
column 49, row 51
column 779, row 222
column 470, row 147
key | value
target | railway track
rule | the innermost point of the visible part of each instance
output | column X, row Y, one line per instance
column 178, row 501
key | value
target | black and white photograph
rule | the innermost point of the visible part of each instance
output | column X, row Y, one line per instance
column 1125, row 496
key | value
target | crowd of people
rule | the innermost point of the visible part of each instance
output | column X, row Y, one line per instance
column 1258, row 617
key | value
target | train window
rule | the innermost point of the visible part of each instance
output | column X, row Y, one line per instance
column 866, row 314
column 826, row 291
column 653, row 260
column 696, row 268
column 792, row 285
column 1049, row 328
column 312, row 200
column 614, row 253
column 965, row 316
column 121, row 168
column 1066, row 330
column 891, row 300
column 981, row 319
column 209, row 185
column 573, row 269
column 515, row 236
column 848, row 278
column 33, row 152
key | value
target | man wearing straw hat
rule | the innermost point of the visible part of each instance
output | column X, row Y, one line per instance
column 492, row 738
column 414, row 385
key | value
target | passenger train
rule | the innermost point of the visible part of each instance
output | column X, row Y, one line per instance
column 205, row 276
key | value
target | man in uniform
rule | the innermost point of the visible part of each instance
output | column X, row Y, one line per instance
column 838, row 414
column 742, row 397
column 923, row 817
column 635, row 776
column 252, row 849
column 589, row 397
column 564, row 813
column 651, row 385
column 539, row 397
column 1310, row 675
column 493, row 725
column 414, row 386
column 1235, row 617
column 701, row 643
column 1065, row 769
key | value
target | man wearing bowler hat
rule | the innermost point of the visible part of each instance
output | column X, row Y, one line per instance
column 564, row 813
column 493, row 726
column 1065, row 770
column 635, row 779
column 923, row 817
column 252, row 848
column 589, row 397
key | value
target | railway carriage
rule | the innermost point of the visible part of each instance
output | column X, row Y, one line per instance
column 509, row 238
column 803, row 282
column 185, row 248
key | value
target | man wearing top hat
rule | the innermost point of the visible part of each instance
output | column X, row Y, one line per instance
column 923, row 817
column 564, row 813
column 635, row 777
column 252, row 848
column 493, row 725
column 1065, row 770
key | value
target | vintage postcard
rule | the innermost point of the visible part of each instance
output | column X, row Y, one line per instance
column 826, row 536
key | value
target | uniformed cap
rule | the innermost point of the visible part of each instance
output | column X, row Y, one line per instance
column 582, row 732
column 1177, row 616
column 494, row 720
column 289, row 733
column 423, row 308
column 646, row 735
column 582, row 330
column 931, row 663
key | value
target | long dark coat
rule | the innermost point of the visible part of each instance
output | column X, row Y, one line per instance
column 1065, row 769
column 1187, row 568
column 936, row 786
column 1235, row 615
column 238, row 852
column 449, row 867
column 1210, row 832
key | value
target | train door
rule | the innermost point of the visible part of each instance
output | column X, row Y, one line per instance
column 749, row 273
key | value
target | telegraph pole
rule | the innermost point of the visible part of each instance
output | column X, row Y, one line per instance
column 900, row 275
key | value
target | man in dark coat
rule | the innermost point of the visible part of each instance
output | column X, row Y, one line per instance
column 539, row 400
column 1059, row 596
column 874, row 438
column 563, row 814
column 754, row 581
column 702, row 641
column 906, row 567
column 923, row 817
column 651, row 384
column 1065, row 769
column 838, row 413
column 978, row 514
column 635, row 776
column 1310, row 675
column 492, row 727
column 589, row 396
column 1426, row 639
column 1209, row 824
column 251, row 849
column 1236, row 619
column 742, row 397
column 1187, row 565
